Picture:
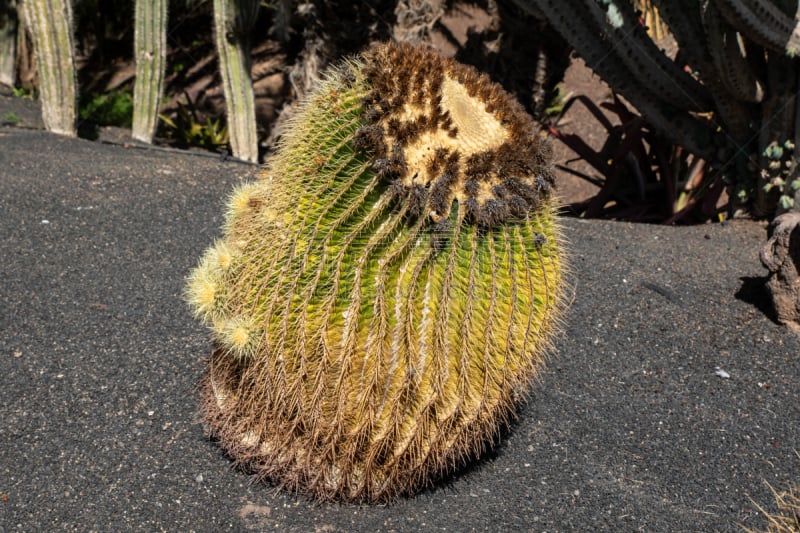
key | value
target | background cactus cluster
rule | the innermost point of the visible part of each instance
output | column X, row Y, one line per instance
column 384, row 294
column 50, row 24
column 730, row 94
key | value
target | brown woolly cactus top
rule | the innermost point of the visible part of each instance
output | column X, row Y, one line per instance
column 443, row 132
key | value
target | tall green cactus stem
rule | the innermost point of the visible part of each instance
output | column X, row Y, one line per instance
column 150, row 51
column 233, row 20
column 50, row 25
column 685, row 19
column 383, row 296
column 666, row 80
column 8, row 43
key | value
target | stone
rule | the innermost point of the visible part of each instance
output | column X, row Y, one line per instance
column 781, row 256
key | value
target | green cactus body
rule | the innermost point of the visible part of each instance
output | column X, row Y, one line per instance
column 374, row 328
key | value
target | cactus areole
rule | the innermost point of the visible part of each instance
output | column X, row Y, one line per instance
column 384, row 294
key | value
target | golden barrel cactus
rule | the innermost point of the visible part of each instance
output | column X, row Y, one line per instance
column 384, row 294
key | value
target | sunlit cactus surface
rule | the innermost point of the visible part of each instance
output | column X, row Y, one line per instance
column 385, row 293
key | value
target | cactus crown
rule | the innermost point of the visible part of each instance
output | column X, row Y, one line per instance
column 440, row 132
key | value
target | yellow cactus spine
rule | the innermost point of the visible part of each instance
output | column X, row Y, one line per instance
column 382, row 297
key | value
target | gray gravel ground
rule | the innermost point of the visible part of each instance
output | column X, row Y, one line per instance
column 628, row 429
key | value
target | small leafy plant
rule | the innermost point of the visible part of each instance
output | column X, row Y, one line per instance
column 186, row 128
column 22, row 92
column 11, row 119
column 113, row 108
column 558, row 99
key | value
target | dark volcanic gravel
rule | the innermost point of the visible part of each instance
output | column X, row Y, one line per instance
column 629, row 428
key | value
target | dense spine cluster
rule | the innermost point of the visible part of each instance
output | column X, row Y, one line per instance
column 363, row 346
column 441, row 133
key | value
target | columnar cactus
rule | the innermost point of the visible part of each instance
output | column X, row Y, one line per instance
column 8, row 43
column 233, row 20
column 150, row 50
column 50, row 25
column 384, row 294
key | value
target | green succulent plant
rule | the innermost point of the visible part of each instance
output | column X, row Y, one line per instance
column 384, row 294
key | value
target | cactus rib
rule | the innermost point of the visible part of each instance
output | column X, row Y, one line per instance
column 634, row 48
column 763, row 22
column 736, row 73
